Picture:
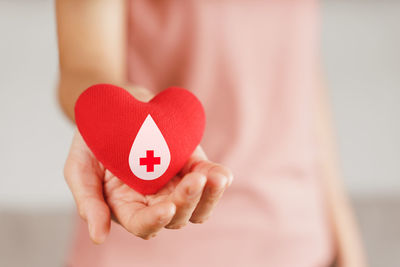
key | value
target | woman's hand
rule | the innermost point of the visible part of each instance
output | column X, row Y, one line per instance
column 100, row 196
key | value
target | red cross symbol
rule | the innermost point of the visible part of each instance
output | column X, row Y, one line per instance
column 150, row 160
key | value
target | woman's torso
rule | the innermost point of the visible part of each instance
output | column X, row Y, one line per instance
column 253, row 65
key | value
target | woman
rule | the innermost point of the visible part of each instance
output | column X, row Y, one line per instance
column 254, row 65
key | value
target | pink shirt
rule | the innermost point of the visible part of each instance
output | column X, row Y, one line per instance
column 253, row 64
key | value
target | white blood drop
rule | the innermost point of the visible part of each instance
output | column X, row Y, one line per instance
column 149, row 141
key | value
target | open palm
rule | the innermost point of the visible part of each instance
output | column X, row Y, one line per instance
column 100, row 196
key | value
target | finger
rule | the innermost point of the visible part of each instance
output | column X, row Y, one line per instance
column 185, row 197
column 198, row 155
column 218, row 178
column 86, row 187
column 199, row 162
column 145, row 222
column 214, row 189
column 206, row 167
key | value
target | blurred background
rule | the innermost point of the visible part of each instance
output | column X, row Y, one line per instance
column 360, row 45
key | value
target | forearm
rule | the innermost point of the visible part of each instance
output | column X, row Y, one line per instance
column 92, row 45
column 70, row 86
column 349, row 249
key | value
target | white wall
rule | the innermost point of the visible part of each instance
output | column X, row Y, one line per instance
column 361, row 45
column 360, row 41
column 34, row 136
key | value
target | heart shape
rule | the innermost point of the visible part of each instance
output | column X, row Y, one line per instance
column 143, row 144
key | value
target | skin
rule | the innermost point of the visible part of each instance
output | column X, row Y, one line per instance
column 91, row 50
column 91, row 36
column 346, row 236
column 99, row 195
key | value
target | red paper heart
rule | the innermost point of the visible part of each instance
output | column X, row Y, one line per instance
column 109, row 120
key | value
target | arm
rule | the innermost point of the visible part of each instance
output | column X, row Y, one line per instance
column 87, row 33
column 92, row 48
column 91, row 37
column 349, row 249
